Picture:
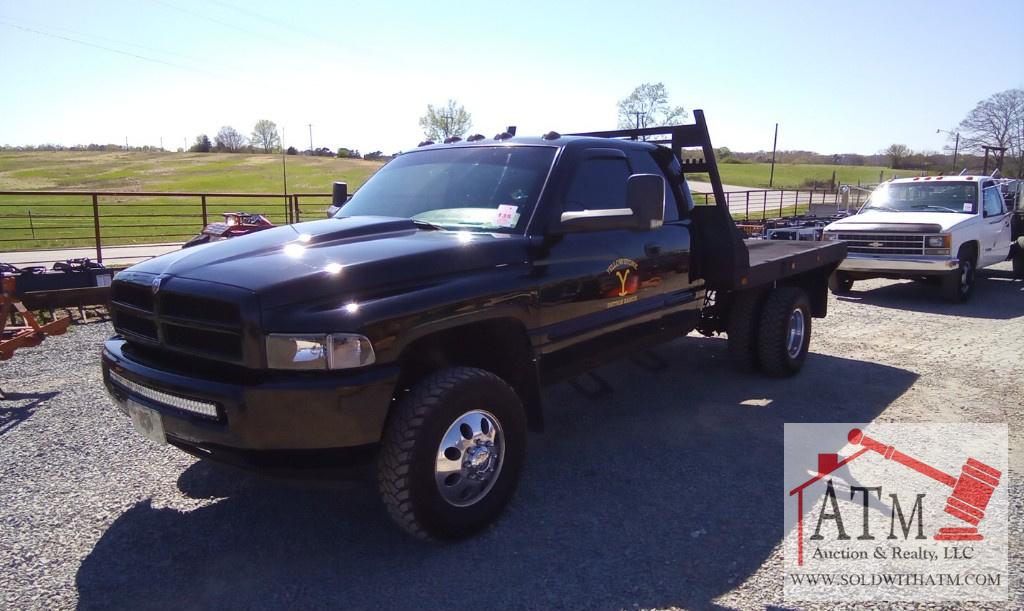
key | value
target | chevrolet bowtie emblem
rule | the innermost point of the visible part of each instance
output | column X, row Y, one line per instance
column 875, row 244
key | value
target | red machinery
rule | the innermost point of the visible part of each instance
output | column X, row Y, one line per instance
column 25, row 336
column 235, row 224
column 971, row 491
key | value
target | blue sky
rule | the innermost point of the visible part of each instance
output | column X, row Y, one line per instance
column 837, row 76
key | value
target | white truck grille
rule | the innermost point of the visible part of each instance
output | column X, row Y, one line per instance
column 884, row 243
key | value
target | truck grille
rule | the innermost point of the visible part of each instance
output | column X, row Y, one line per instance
column 883, row 243
column 184, row 323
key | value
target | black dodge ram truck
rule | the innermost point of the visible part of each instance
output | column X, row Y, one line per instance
column 417, row 326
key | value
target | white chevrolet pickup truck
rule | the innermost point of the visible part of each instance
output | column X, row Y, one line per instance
column 938, row 228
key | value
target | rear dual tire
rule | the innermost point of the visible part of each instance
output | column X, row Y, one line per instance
column 770, row 332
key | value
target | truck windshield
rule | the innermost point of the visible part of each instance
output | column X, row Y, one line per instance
column 929, row 196
column 492, row 188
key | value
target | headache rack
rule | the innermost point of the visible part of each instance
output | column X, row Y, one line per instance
column 724, row 258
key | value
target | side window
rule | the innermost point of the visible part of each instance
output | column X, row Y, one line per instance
column 598, row 184
column 643, row 163
column 993, row 202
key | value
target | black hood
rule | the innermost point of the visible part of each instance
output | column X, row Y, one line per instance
column 356, row 257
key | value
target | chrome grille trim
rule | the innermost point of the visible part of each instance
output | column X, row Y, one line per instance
column 884, row 243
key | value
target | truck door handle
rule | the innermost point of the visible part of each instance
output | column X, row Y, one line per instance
column 652, row 250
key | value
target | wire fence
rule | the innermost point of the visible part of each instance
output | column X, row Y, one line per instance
column 37, row 220
column 765, row 204
column 40, row 220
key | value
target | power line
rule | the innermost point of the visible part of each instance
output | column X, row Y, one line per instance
column 220, row 22
column 121, row 42
column 104, row 48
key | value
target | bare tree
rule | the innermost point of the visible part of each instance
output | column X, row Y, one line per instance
column 648, row 106
column 264, row 135
column 443, row 122
column 897, row 153
column 997, row 121
column 228, row 139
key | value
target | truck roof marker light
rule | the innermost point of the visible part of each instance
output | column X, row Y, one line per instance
column 938, row 178
column 426, row 143
column 333, row 268
column 475, row 138
column 970, row 178
column 503, row 136
column 917, row 178
column 552, row 135
column 927, row 177
column 452, row 140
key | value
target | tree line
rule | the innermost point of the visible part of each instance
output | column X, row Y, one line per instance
column 995, row 121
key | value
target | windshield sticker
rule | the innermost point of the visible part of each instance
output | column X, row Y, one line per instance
column 508, row 215
column 968, row 207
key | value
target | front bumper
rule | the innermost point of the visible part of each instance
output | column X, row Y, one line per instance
column 909, row 266
column 275, row 412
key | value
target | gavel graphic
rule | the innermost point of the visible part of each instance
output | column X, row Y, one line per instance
column 971, row 491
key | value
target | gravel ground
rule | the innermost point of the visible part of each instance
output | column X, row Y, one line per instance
column 664, row 494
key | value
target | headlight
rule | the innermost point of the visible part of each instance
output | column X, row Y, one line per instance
column 937, row 241
column 831, row 236
column 319, row 352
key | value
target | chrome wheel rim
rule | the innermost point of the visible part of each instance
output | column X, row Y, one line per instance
column 795, row 336
column 469, row 458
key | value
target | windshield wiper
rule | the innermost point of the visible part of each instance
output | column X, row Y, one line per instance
column 934, row 206
column 426, row 225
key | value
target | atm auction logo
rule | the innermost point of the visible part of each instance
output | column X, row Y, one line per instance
column 902, row 512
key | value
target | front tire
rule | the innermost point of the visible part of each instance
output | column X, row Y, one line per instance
column 839, row 283
column 785, row 332
column 452, row 453
column 1018, row 265
column 959, row 286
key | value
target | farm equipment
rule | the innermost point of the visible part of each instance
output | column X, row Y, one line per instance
column 234, row 224
column 30, row 333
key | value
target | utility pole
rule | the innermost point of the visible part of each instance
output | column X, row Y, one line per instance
column 161, row 144
column 775, row 143
column 310, row 138
column 956, row 145
column 126, row 143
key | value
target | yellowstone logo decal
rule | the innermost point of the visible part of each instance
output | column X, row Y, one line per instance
column 627, row 281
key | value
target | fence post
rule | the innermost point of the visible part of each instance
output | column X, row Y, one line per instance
column 764, row 207
column 296, row 214
column 96, row 227
column 746, row 215
column 202, row 200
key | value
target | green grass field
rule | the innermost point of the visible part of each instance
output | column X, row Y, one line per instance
column 64, row 221
column 793, row 176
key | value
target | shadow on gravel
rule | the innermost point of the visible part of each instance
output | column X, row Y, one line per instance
column 997, row 296
column 19, row 407
column 668, row 492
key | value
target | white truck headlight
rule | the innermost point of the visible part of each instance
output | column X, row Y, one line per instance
column 937, row 241
column 829, row 235
column 319, row 352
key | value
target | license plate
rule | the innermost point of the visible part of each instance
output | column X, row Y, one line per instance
column 147, row 422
